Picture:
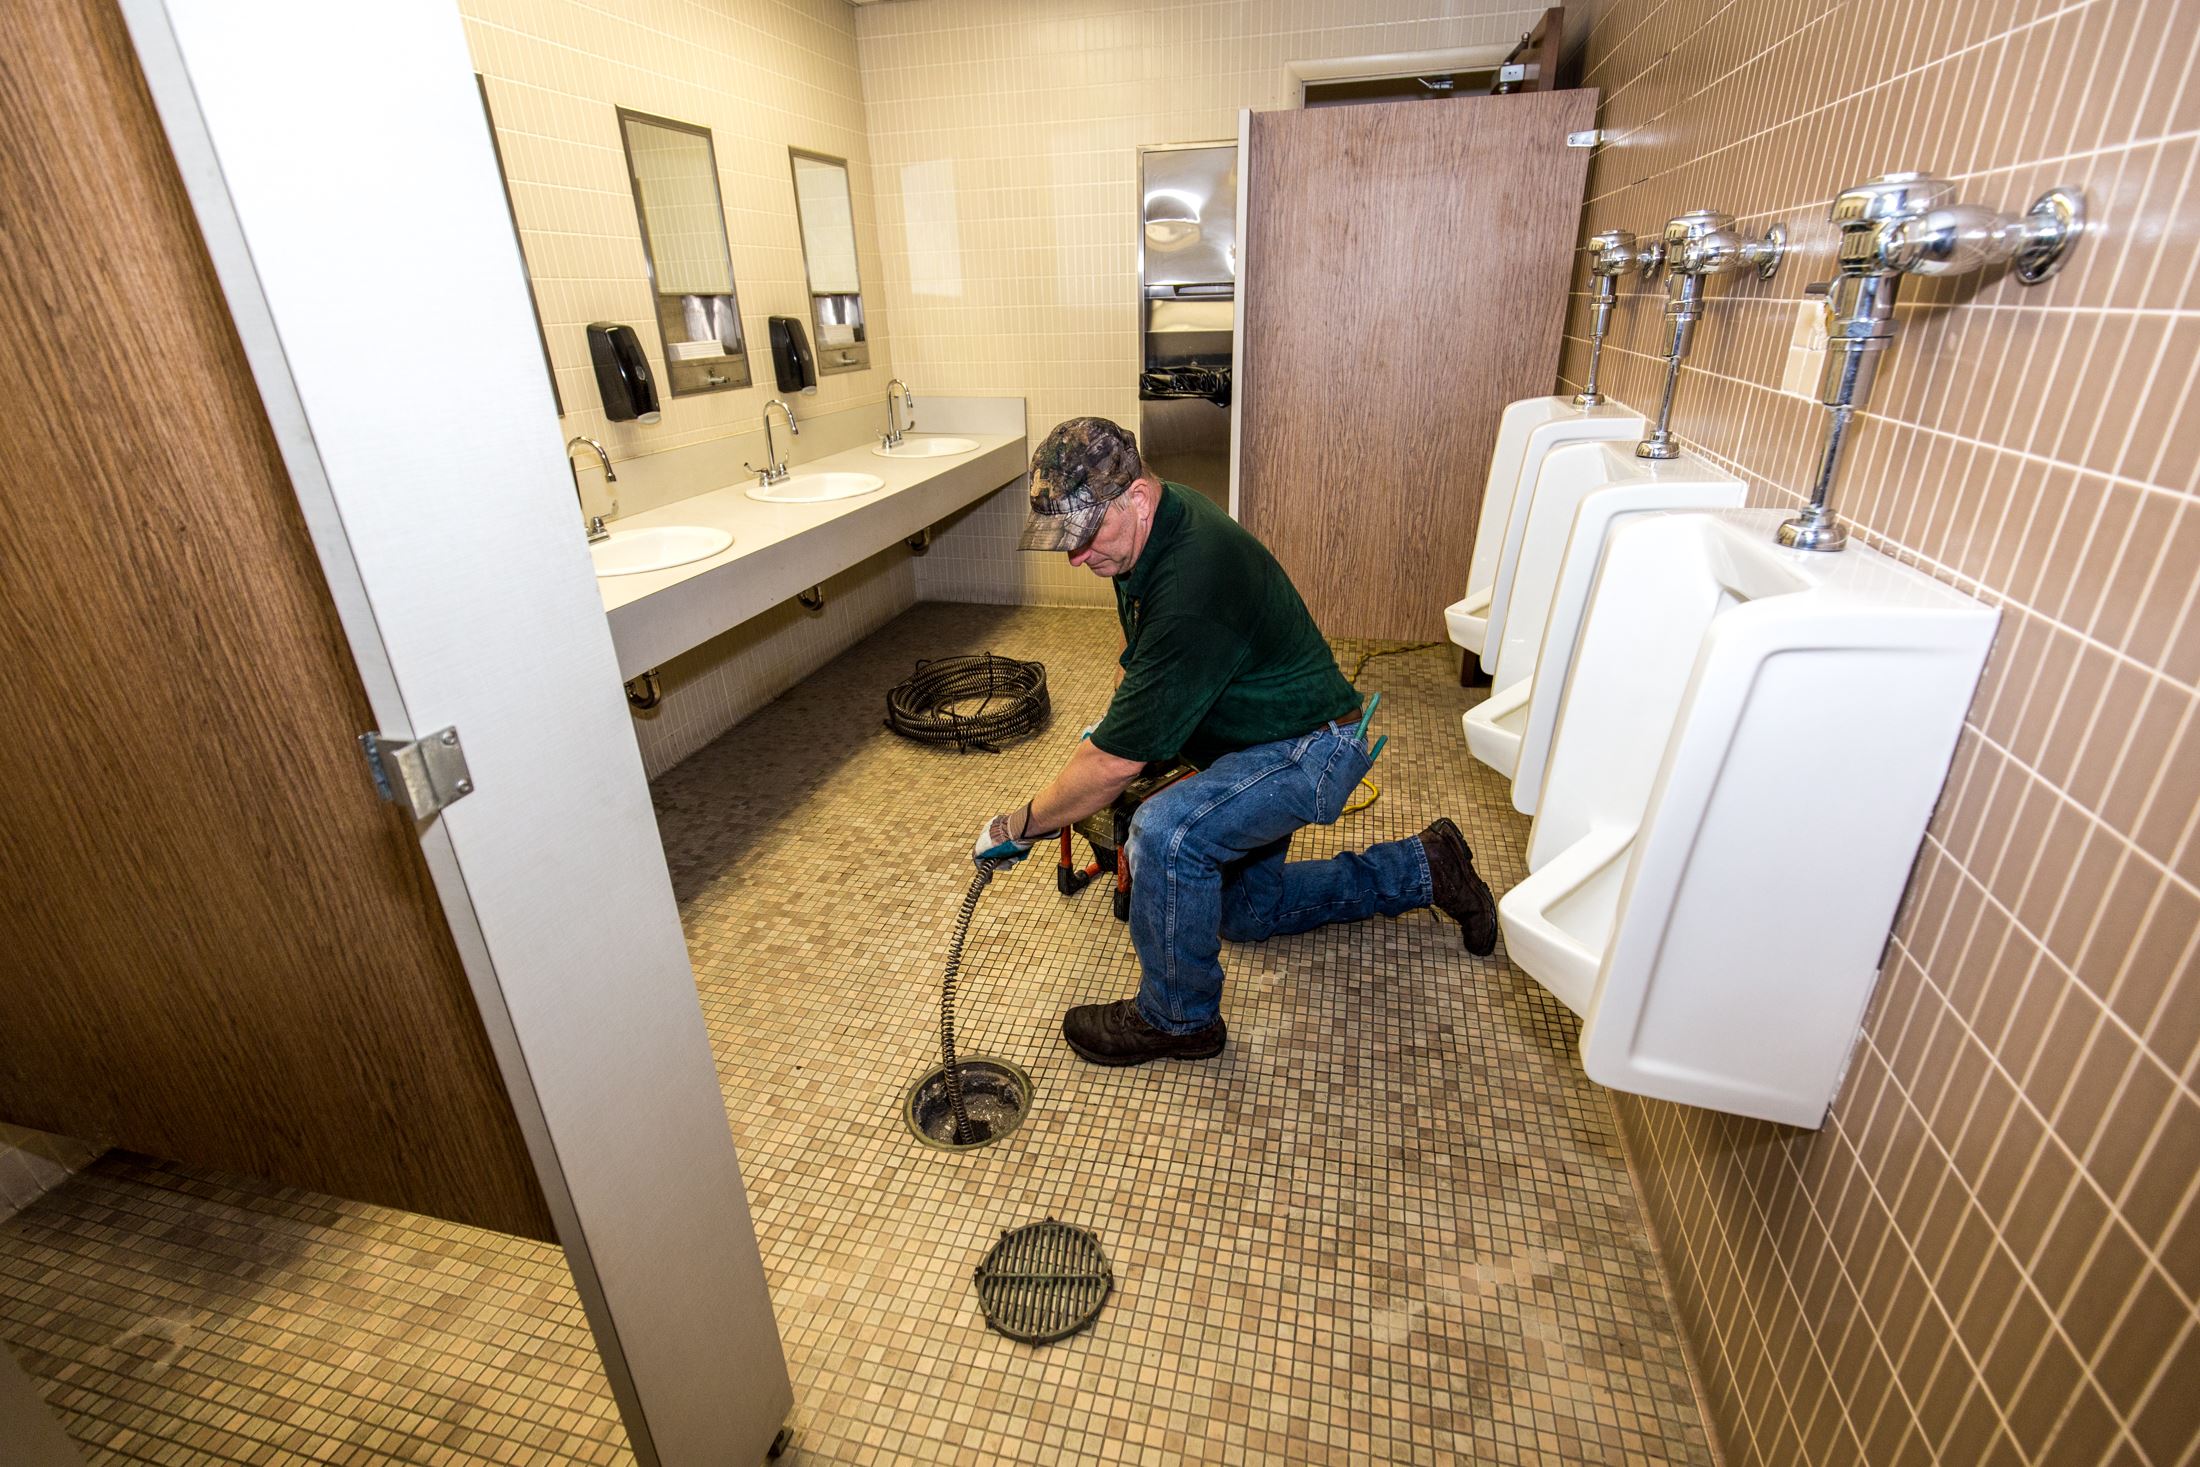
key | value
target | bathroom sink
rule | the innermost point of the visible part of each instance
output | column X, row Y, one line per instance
column 932, row 447
column 630, row 552
column 815, row 488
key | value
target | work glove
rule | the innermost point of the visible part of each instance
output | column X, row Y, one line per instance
column 995, row 843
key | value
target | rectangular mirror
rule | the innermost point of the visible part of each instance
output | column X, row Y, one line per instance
column 828, row 220
column 496, row 146
column 674, row 174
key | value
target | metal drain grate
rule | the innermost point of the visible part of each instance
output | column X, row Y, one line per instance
column 1044, row 1282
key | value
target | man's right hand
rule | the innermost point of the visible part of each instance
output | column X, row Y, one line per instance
column 996, row 843
column 1090, row 779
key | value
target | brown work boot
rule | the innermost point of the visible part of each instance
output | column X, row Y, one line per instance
column 1456, row 890
column 1117, row 1034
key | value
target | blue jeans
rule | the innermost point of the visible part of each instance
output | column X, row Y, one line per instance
column 1207, row 863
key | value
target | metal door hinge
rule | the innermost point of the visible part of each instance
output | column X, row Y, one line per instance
column 424, row 775
column 1587, row 139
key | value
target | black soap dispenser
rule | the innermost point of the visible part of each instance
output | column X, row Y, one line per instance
column 791, row 359
column 622, row 373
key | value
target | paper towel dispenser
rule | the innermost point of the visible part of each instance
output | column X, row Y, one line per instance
column 1187, row 254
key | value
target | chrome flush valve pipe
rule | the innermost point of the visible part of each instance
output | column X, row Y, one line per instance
column 1896, row 225
column 1697, row 246
column 1612, row 254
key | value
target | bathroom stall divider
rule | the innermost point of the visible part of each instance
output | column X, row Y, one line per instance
column 520, row 1002
column 1373, row 363
column 221, row 948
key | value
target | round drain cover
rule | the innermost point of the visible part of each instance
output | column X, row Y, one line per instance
column 995, row 1096
column 1044, row 1282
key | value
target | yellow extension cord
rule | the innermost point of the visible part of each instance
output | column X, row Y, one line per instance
column 1374, row 790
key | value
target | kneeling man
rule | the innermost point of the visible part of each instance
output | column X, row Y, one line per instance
column 1222, row 666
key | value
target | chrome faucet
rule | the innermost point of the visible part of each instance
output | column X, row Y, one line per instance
column 893, row 423
column 596, row 531
column 1906, row 224
column 775, row 467
column 1612, row 254
column 1699, row 245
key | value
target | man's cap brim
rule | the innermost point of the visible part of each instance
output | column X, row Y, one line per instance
column 1070, row 531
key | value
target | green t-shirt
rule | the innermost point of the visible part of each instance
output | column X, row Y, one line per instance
column 1220, row 652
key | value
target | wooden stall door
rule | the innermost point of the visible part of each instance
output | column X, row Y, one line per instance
column 1406, row 270
column 220, row 947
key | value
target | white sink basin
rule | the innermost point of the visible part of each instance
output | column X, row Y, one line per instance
column 928, row 447
column 816, row 488
column 630, row 552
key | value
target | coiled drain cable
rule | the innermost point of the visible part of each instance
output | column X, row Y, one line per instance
column 1011, row 696
column 978, row 884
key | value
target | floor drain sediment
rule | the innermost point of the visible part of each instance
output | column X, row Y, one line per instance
column 996, row 1094
column 1044, row 1282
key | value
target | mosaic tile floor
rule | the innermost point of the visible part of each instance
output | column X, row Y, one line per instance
column 1390, row 1224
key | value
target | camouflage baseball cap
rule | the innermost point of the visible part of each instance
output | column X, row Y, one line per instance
column 1075, row 471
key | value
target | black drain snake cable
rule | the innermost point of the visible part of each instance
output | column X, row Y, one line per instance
column 978, row 884
column 923, row 707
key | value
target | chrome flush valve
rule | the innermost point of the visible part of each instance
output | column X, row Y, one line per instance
column 1907, row 224
column 1612, row 253
column 1697, row 246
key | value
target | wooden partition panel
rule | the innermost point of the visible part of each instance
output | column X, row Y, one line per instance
column 1406, row 270
column 220, row 947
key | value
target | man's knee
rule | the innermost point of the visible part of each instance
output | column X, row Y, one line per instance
column 1242, row 926
column 1154, row 830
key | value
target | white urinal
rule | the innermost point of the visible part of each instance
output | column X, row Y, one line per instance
column 1749, row 747
column 1528, row 431
column 1584, row 489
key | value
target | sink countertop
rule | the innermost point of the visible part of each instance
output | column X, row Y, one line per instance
column 781, row 549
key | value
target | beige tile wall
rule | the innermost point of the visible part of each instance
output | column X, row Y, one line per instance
column 762, row 75
column 1004, row 139
column 1991, row 1252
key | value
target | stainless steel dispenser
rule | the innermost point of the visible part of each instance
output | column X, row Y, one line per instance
column 1907, row 224
column 1698, row 245
column 1187, row 266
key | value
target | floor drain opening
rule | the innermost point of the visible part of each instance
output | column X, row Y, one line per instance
column 996, row 1096
column 1044, row 1282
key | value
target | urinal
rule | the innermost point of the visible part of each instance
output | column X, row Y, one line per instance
column 1583, row 491
column 1746, row 755
column 1527, row 432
